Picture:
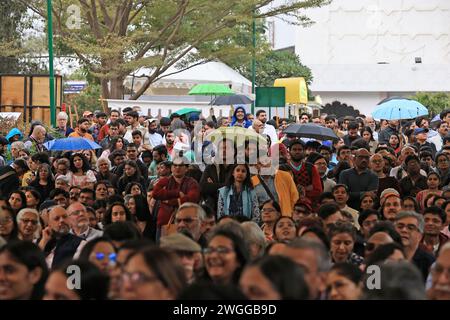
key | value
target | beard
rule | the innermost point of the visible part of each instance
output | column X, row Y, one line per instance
column 83, row 130
column 152, row 131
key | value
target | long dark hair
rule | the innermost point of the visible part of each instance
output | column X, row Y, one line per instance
column 247, row 182
column 131, row 185
column 112, row 143
column 286, row 277
column 137, row 174
column 107, row 219
column 368, row 129
column 240, row 248
column 142, row 210
column 15, row 231
column 94, row 284
column 22, row 196
column 89, row 247
column 29, row 255
column 164, row 266
column 86, row 165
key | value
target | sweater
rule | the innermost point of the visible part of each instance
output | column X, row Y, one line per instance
column 286, row 191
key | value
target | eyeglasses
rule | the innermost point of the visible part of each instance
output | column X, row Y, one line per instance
column 76, row 212
column 439, row 269
column 137, row 278
column 100, row 256
column 186, row 220
column 26, row 221
column 409, row 227
column 218, row 250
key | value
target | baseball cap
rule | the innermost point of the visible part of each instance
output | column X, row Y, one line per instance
column 420, row 130
column 47, row 204
column 389, row 192
column 87, row 113
column 165, row 121
column 179, row 242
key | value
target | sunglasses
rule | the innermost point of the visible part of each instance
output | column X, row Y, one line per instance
column 111, row 257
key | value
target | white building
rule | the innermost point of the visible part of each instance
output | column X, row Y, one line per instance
column 362, row 51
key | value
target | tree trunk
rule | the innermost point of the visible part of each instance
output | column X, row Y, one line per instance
column 117, row 88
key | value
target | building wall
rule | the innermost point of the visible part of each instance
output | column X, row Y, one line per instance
column 372, row 31
column 365, row 102
column 355, row 35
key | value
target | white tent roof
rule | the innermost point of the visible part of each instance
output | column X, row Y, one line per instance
column 209, row 72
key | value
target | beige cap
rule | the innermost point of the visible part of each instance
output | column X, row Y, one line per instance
column 179, row 242
column 389, row 192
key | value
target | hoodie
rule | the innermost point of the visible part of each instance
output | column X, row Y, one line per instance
column 247, row 123
column 12, row 133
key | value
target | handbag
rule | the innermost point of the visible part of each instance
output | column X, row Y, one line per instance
column 170, row 227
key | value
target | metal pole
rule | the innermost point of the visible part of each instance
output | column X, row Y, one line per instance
column 50, row 63
column 253, row 61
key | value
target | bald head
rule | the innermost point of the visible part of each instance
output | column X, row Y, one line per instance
column 39, row 133
column 257, row 125
column 362, row 157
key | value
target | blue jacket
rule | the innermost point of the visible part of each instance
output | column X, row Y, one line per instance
column 12, row 133
column 247, row 123
column 250, row 206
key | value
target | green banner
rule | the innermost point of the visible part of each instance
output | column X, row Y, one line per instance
column 270, row 97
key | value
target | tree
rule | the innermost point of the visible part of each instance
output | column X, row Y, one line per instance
column 116, row 37
column 13, row 48
column 276, row 64
column 435, row 102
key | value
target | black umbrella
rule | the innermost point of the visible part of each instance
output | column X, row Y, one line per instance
column 310, row 130
column 231, row 100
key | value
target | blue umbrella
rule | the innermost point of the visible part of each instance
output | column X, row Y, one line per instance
column 71, row 144
column 397, row 108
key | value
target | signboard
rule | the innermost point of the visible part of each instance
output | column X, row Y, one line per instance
column 296, row 89
column 74, row 87
column 270, row 97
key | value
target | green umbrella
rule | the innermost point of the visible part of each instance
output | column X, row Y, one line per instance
column 184, row 111
column 211, row 89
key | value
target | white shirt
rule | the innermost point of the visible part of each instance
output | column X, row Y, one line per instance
column 437, row 141
column 155, row 139
column 271, row 132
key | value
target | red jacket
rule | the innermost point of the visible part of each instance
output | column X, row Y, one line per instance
column 167, row 191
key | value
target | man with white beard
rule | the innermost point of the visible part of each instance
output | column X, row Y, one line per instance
column 370, row 122
column 79, row 222
column 57, row 242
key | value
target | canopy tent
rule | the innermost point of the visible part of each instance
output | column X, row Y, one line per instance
column 209, row 72
column 296, row 89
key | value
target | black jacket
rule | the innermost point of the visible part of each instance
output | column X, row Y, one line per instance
column 218, row 174
column 142, row 167
column 9, row 183
column 65, row 248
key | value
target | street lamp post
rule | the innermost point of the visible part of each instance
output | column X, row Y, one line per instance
column 50, row 62
column 253, row 60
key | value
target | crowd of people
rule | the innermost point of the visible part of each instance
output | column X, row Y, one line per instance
column 161, row 211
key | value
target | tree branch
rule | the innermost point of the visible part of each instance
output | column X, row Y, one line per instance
column 95, row 23
column 161, row 69
column 172, row 20
column 108, row 20
column 137, row 11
